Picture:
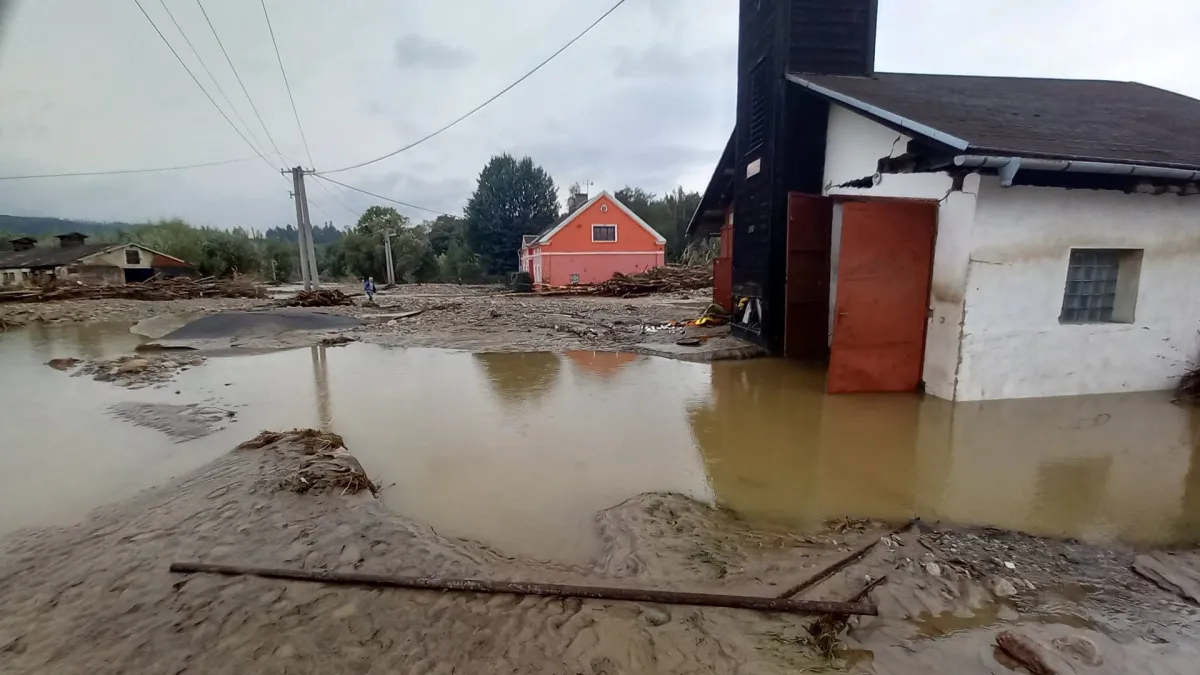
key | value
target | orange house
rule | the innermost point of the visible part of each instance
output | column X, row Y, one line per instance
column 597, row 238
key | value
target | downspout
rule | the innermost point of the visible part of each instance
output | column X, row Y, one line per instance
column 1007, row 167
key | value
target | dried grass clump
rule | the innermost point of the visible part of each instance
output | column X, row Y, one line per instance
column 312, row 441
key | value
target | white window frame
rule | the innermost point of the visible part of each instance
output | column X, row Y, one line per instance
column 604, row 241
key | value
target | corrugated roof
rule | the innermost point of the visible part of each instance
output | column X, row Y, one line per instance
column 1092, row 120
column 49, row 256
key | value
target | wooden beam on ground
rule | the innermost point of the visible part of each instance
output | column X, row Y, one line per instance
column 838, row 566
column 533, row 588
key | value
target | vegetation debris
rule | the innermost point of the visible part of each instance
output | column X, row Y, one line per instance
column 154, row 288
column 313, row 441
column 319, row 297
column 665, row 279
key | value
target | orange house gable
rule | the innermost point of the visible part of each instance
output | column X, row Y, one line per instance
column 592, row 243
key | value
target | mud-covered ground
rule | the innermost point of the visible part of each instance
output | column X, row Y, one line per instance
column 97, row 597
column 17, row 314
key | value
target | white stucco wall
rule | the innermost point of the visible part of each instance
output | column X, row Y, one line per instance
column 854, row 146
column 117, row 257
column 1013, row 344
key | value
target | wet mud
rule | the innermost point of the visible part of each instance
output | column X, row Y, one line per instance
column 579, row 465
column 96, row 597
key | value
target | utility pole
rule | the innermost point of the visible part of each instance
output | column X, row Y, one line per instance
column 297, row 182
column 387, row 255
column 308, row 251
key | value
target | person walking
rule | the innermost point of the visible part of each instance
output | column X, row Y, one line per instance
column 369, row 288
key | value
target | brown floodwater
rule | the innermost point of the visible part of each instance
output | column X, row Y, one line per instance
column 521, row 450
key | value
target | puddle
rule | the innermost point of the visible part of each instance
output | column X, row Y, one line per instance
column 521, row 450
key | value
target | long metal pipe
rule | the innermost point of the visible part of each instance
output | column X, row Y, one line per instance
column 1111, row 168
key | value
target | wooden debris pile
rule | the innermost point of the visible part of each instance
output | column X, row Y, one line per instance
column 319, row 297
column 665, row 279
column 154, row 288
column 1189, row 385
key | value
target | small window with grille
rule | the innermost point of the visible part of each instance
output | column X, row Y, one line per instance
column 133, row 256
column 1101, row 285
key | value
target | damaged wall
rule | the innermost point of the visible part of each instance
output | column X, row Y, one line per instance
column 1013, row 344
column 852, row 153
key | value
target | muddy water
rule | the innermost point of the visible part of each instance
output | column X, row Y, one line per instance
column 521, row 450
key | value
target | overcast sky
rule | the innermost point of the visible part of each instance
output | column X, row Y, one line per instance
column 646, row 99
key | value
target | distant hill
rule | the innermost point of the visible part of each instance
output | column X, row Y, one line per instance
column 47, row 227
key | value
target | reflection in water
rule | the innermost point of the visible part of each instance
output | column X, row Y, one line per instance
column 1097, row 467
column 520, row 378
column 321, row 379
column 520, row 451
column 600, row 364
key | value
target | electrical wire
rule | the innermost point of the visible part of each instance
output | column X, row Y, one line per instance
column 203, row 65
column 386, row 199
column 239, row 78
column 483, row 105
column 337, row 200
column 127, row 171
column 283, row 72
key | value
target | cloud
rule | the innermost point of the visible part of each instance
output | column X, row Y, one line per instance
column 414, row 51
column 646, row 98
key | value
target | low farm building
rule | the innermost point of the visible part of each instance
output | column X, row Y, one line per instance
column 971, row 237
column 594, row 240
column 75, row 259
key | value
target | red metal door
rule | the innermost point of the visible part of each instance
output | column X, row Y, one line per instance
column 723, row 270
column 806, row 322
column 882, row 302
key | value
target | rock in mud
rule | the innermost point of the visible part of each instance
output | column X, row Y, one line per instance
column 1080, row 648
column 133, row 366
column 63, row 364
column 655, row 616
column 1025, row 651
column 1001, row 587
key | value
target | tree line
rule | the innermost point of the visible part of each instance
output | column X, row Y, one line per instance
column 512, row 197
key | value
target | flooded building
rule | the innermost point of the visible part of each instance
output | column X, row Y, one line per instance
column 594, row 240
column 975, row 237
column 75, row 259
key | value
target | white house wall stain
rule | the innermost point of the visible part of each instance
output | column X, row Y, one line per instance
column 1013, row 344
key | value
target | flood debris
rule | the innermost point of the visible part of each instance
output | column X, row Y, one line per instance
column 138, row 372
column 154, row 288
column 312, row 441
column 327, row 465
column 1174, row 573
column 318, row 297
column 665, row 279
column 1189, row 385
column 534, row 588
column 1025, row 651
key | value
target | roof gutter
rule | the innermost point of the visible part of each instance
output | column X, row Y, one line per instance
column 1007, row 167
column 902, row 122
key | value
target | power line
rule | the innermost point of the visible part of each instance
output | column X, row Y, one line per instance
column 483, row 105
column 386, row 199
column 239, row 79
column 338, row 200
column 127, row 171
column 286, row 84
column 197, row 81
column 203, row 65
